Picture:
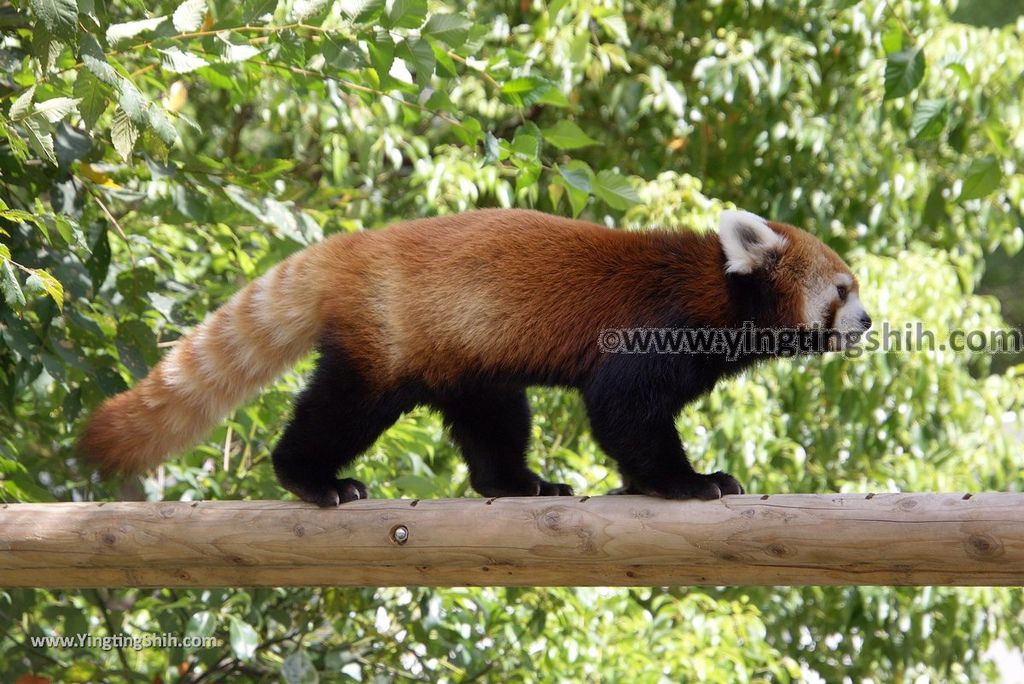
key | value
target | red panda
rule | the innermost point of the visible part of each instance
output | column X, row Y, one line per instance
column 462, row 313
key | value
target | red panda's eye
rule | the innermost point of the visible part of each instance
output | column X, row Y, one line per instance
column 843, row 292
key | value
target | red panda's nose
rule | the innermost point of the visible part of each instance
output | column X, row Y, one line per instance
column 865, row 320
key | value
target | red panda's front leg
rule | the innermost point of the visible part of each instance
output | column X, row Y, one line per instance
column 492, row 427
column 638, row 431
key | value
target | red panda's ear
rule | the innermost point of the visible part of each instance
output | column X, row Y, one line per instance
column 747, row 240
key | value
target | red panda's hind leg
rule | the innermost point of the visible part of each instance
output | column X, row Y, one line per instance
column 336, row 418
column 492, row 428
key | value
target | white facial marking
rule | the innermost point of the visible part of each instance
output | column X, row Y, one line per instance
column 817, row 301
column 747, row 240
column 850, row 315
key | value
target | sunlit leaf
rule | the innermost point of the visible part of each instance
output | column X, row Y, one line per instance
column 450, row 28
column 982, row 177
column 929, row 118
column 130, row 29
column 189, row 15
column 903, row 72
column 9, row 286
column 123, row 134
column 180, row 62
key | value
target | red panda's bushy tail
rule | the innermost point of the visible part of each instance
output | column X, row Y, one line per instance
column 246, row 343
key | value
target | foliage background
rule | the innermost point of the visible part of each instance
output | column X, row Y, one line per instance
column 154, row 156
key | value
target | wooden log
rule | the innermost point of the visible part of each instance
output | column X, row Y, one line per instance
column 787, row 539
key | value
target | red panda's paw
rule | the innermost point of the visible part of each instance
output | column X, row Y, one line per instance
column 554, row 489
column 727, row 484
column 330, row 496
column 350, row 490
column 695, row 486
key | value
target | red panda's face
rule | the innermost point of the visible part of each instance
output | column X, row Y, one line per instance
column 814, row 287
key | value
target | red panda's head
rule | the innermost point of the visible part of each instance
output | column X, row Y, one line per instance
column 813, row 286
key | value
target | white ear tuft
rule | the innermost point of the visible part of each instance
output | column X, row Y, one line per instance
column 747, row 241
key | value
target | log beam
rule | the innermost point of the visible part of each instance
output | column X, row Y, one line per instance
column 785, row 539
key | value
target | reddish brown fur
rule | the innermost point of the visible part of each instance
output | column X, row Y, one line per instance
column 805, row 260
column 498, row 290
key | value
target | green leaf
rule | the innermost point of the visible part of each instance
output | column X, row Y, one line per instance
column 99, row 263
column 903, row 72
column 45, row 48
column 450, row 28
column 162, row 125
column 416, row 485
column 982, row 177
column 892, row 37
column 22, row 106
column 96, row 62
column 553, row 96
column 9, row 286
column 421, row 56
column 526, row 90
column 929, row 118
column 999, row 135
column 492, row 150
column 362, row 11
column 470, row 132
column 136, row 347
column 961, row 73
column 42, row 281
column 239, row 53
column 405, row 13
column 93, row 97
column 189, row 15
column 243, row 639
column 298, row 669
column 577, row 178
column 59, row 17
column 133, row 102
column 56, row 108
column 445, row 64
column 253, row 10
column 526, row 145
column 577, row 174
column 130, row 29
column 615, row 190
column 616, row 26
column 523, row 84
column 201, row 624
column 304, row 9
column 382, row 56
column 70, row 144
column 40, row 138
column 123, row 134
column 566, row 135
column 180, row 62
column 5, row 252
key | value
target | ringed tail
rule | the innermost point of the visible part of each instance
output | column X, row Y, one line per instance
column 263, row 330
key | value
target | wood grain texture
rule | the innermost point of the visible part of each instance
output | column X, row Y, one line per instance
column 788, row 539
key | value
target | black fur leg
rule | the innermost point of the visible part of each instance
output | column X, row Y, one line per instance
column 335, row 420
column 643, row 440
column 492, row 428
